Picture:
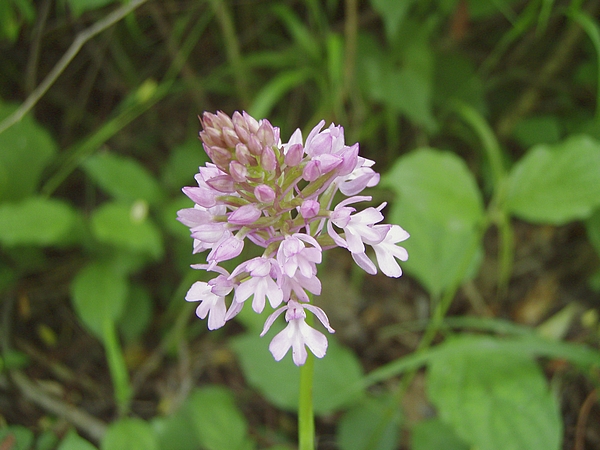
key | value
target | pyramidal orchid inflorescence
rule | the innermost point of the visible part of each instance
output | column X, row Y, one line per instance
column 280, row 197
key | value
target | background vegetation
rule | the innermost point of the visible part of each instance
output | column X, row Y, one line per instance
column 483, row 117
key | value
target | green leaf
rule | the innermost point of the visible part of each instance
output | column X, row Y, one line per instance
column 592, row 225
column 73, row 441
column 494, row 399
column 128, row 227
column 216, row 419
column 20, row 437
column 336, row 375
column 439, row 204
column 13, row 14
column 99, row 292
column 435, row 434
column 538, row 130
column 36, row 221
column 372, row 424
column 137, row 314
column 13, row 359
column 556, row 184
column 81, row 6
column 404, row 86
column 456, row 78
column 176, row 432
column 183, row 164
column 272, row 92
column 122, row 177
column 130, row 434
column 392, row 13
column 25, row 150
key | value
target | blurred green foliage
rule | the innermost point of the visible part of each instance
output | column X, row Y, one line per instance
column 483, row 117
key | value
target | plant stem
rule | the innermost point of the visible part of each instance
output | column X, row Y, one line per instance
column 117, row 367
column 306, row 421
column 306, row 418
column 66, row 59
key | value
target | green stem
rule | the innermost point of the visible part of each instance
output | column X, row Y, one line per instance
column 66, row 59
column 306, row 420
column 117, row 366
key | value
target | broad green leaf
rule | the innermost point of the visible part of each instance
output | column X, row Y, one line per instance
column 592, row 225
column 218, row 422
column 13, row 359
column 183, row 164
column 494, row 399
column 128, row 227
column 456, row 78
column 439, row 204
column 272, row 92
column 404, row 86
column 137, row 314
column 81, row 6
column 435, row 434
column 307, row 43
column 176, row 432
column 122, row 177
column 25, row 150
column 130, row 434
column 482, row 9
column 392, row 13
column 73, row 441
column 47, row 440
column 337, row 374
column 538, row 130
column 20, row 436
column 36, row 221
column 556, row 184
column 371, row 424
column 99, row 293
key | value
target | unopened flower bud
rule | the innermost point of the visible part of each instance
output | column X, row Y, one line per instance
column 265, row 133
column 254, row 145
column 310, row 208
column 222, row 183
column 224, row 120
column 230, row 137
column 251, row 122
column 268, row 160
column 212, row 137
column 244, row 156
column 244, row 215
column 242, row 132
column 311, row 171
column 294, row 155
column 264, row 194
column 218, row 155
column 238, row 171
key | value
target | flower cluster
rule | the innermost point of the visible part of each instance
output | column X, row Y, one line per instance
column 279, row 197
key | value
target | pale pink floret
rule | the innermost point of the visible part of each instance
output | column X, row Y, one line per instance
column 293, row 255
column 228, row 247
column 210, row 304
column 260, row 284
column 298, row 335
column 387, row 251
column 357, row 227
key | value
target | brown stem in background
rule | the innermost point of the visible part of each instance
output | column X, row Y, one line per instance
column 85, row 422
column 582, row 418
column 350, row 35
column 34, row 51
column 66, row 59
column 560, row 57
column 232, row 48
